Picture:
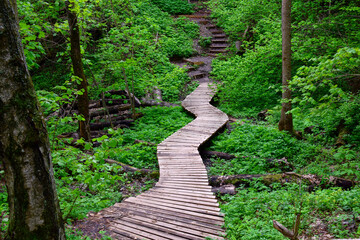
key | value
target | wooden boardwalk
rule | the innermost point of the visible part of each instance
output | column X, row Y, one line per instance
column 181, row 205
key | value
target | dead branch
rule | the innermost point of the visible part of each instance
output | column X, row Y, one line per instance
column 128, row 168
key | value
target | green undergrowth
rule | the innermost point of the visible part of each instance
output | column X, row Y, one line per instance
column 325, row 90
column 253, row 144
column 249, row 214
column 155, row 126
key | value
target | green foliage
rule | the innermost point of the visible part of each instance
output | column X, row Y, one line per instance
column 172, row 84
column 4, row 208
column 174, row 6
column 205, row 42
column 249, row 213
column 141, row 49
column 157, row 124
column 235, row 16
column 254, row 144
column 35, row 27
column 324, row 98
column 325, row 60
column 118, row 38
column 85, row 181
column 52, row 102
column 51, row 75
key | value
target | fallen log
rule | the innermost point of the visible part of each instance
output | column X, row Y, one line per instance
column 311, row 180
column 110, row 110
column 137, row 102
column 221, row 155
column 114, row 117
column 128, row 168
column 102, row 125
column 225, row 189
column 109, row 102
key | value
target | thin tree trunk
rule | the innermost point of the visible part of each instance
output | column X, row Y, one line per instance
column 132, row 104
column 286, row 121
column 24, row 143
column 83, row 100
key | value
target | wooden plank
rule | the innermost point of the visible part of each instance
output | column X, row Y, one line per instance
column 158, row 227
column 184, row 193
column 176, row 215
column 195, row 184
column 158, row 214
column 185, row 187
column 133, row 233
column 182, row 228
column 143, row 231
column 176, row 206
column 182, row 198
column 219, row 220
column 179, row 202
column 120, row 235
column 180, row 180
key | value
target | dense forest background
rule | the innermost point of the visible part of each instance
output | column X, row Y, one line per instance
column 133, row 44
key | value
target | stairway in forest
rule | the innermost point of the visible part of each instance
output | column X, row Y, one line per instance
column 181, row 205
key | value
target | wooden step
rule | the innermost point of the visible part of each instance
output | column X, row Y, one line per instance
column 216, row 31
column 219, row 40
column 197, row 75
column 214, row 50
column 219, row 45
column 219, row 35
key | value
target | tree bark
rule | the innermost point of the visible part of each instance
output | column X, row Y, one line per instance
column 83, row 100
column 24, row 144
column 286, row 121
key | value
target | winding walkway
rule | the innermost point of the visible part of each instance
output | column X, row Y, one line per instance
column 181, row 205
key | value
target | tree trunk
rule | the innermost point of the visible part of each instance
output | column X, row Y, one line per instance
column 83, row 100
column 24, row 144
column 286, row 121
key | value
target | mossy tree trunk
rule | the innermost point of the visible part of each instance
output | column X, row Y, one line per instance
column 24, row 144
column 286, row 121
column 83, row 100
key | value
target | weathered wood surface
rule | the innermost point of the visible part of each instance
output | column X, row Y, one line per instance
column 181, row 205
